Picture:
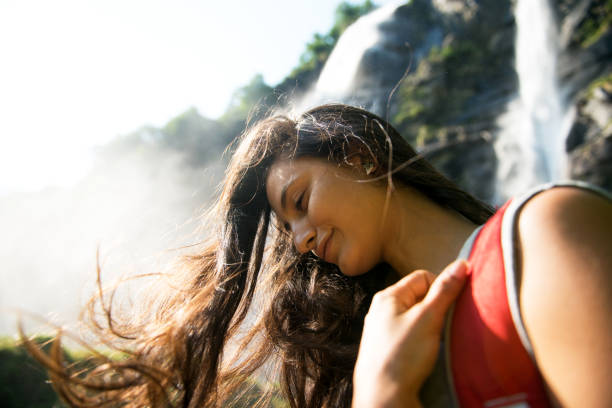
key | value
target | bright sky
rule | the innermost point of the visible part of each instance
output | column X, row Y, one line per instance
column 76, row 73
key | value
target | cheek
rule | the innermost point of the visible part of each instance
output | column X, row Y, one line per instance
column 322, row 209
column 358, row 256
column 335, row 204
column 372, row 243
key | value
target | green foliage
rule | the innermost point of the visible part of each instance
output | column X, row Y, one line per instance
column 249, row 395
column 319, row 48
column 23, row 382
column 186, row 129
column 253, row 99
column 315, row 55
column 596, row 23
column 255, row 93
column 347, row 14
column 248, row 104
column 202, row 139
column 442, row 90
column 438, row 90
column 199, row 138
column 603, row 82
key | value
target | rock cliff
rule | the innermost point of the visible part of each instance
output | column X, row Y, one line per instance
column 444, row 72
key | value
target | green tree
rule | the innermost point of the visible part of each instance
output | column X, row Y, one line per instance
column 319, row 48
column 255, row 93
column 248, row 103
column 23, row 382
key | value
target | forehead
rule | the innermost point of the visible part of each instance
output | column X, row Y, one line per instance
column 283, row 172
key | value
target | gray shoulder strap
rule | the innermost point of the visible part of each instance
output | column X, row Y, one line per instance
column 508, row 240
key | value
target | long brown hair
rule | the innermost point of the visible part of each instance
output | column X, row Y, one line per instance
column 306, row 325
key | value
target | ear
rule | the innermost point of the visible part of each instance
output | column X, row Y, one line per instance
column 354, row 160
column 362, row 163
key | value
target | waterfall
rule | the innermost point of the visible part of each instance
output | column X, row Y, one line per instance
column 531, row 143
column 341, row 80
column 341, row 69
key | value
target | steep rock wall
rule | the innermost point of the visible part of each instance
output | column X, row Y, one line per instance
column 444, row 71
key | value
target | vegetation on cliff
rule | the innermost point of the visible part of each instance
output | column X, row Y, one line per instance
column 596, row 23
column 318, row 49
column 24, row 383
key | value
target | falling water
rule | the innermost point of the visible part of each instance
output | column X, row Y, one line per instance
column 531, row 144
column 339, row 80
column 341, row 68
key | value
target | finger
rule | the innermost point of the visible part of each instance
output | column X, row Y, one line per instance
column 412, row 288
column 445, row 289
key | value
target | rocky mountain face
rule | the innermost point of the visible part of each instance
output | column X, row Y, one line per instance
column 587, row 67
column 444, row 72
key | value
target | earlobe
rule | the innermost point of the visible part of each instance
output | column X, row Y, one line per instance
column 364, row 163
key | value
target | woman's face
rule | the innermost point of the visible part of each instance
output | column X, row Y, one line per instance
column 329, row 212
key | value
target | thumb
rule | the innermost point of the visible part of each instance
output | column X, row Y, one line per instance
column 445, row 289
column 412, row 288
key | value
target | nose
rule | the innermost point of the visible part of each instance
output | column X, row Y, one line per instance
column 304, row 235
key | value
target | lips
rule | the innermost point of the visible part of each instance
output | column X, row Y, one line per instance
column 323, row 247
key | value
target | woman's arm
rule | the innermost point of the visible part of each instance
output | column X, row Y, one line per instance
column 401, row 338
column 566, row 293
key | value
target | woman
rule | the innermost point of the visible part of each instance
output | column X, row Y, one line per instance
column 316, row 214
column 531, row 328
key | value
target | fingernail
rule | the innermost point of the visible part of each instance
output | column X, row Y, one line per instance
column 458, row 269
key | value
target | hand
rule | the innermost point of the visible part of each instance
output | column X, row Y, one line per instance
column 401, row 337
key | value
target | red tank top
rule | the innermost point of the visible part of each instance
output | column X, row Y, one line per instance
column 489, row 363
column 488, row 356
column 486, row 360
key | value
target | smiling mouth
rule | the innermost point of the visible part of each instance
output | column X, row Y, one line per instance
column 323, row 247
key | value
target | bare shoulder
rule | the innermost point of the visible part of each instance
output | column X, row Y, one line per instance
column 565, row 241
column 561, row 208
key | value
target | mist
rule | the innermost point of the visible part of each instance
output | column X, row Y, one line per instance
column 141, row 200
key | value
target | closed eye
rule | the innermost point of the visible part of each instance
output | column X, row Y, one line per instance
column 299, row 204
column 302, row 201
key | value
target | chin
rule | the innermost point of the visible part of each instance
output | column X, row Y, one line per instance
column 353, row 263
column 350, row 270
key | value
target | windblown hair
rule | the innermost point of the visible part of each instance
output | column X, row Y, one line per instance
column 306, row 325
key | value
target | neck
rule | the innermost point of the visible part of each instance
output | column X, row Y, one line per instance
column 423, row 234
